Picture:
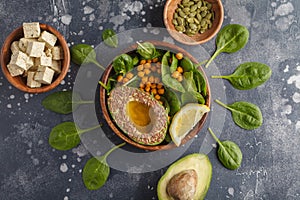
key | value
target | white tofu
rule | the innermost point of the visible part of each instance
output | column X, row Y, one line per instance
column 15, row 47
column 23, row 43
column 48, row 38
column 57, row 53
column 30, row 80
column 43, row 61
column 14, row 70
column 31, row 30
column 30, row 62
column 35, row 49
column 56, row 66
column 44, row 75
column 19, row 59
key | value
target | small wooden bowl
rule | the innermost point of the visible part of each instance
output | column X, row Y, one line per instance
column 103, row 102
column 198, row 38
column 19, row 81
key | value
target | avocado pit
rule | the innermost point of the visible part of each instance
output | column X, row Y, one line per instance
column 182, row 186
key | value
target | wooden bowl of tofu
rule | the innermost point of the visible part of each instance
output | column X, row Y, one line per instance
column 35, row 58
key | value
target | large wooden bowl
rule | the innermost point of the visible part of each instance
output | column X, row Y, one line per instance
column 19, row 81
column 198, row 38
column 103, row 102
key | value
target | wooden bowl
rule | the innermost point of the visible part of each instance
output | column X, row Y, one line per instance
column 103, row 102
column 19, row 81
column 198, row 38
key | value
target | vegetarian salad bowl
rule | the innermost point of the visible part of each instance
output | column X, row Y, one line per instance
column 35, row 57
column 155, row 96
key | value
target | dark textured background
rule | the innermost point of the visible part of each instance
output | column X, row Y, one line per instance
column 31, row 169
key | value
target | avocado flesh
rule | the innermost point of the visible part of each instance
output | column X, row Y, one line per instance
column 198, row 162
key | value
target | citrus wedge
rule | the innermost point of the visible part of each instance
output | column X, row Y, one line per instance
column 185, row 120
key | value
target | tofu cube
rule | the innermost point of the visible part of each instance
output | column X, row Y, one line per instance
column 15, row 47
column 43, row 61
column 35, row 49
column 44, row 75
column 31, row 30
column 23, row 43
column 48, row 38
column 57, row 53
column 56, row 66
column 15, row 70
column 48, row 52
column 30, row 80
column 30, row 62
column 19, row 59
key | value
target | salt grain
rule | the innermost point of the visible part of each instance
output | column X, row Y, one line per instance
column 63, row 167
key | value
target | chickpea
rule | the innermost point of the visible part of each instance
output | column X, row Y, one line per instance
column 156, row 80
column 147, row 66
column 151, row 79
column 179, row 69
column 180, row 78
column 154, row 91
column 159, row 85
column 141, row 74
column 147, row 71
column 175, row 74
column 129, row 75
column 157, row 97
column 142, row 85
column 149, row 61
column 153, row 68
column 125, row 80
column 153, row 85
column 142, row 62
column 161, row 91
column 140, row 67
column 154, row 60
column 179, row 56
column 147, row 88
column 119, row 78
column 148, row 84
column 144, row 79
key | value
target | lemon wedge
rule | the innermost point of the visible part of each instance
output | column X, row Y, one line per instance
column 185, row 120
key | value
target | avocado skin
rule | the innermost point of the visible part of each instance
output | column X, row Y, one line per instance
column 200, row 163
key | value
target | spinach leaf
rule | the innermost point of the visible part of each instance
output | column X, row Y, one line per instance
column 200, row 82
column 174, row 64
column 135, row 61
column 230, row 39
column 110, row 38
column 96, row 170
column 229, row 153
column 110, row 84
column 173, row 101
column 61, row 102
column 65, row 136
column 188, row 97
column 244, row 114
column 147, row 50
column 165, row 104
column 248, row 75
column 122, row 64
column 84, row 54
column 187, row 64
column 188, row 82
column 167, row 80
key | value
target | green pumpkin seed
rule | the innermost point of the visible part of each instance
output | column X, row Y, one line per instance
column 196, row 21
column 203, row 8
column 185, row 1
column 202, row 23
column 186, row 10
column 180, row 6
column 209, row 6
column 180, row 21
column 190, row 20
column 180, row 28
column 193, row 26
column 193, row 14
column 193, row 8
column 208, row 16
column 199, row 17
column 182, row 14
column 199, row 4
column 174, row 21
column 175, row 15
column 178, row 9
column 203, row 13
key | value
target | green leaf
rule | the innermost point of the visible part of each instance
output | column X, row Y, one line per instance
column 84, row 54
column 230, row 39
column 200, row 82
column 123, row 64
column 147, row 50
column 173, row 101
column 174, row 64
column 188, row 97
column 248, row 75
column 96, row 171
column 61, row 102
column 229, row 153
column 110, row 38
column 65, row 136
column 187, row 64
column 188, row 82
column 244, row 114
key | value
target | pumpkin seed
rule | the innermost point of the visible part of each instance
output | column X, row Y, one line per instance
column 193, row 8
column 186, row 10
column 185, row 1
column 174, row 21
column 190, row 20
column 180, row 21
column 193, row 14
column 180, row 28
column 193, row 26
column 203, row 13
column 182, row 14
column 196, row 21
column 199, row 4
column 208, row 16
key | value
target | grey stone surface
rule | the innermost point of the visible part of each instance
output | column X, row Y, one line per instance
column 31, row 169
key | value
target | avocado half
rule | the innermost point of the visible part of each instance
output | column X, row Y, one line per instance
column 186, row 179
column 138, row 115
